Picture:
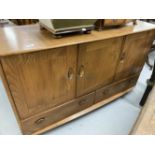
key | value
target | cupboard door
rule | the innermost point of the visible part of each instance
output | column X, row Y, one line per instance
column 41, row 80
column 96, row 64
column 134, row 54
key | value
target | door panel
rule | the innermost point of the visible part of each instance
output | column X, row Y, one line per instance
column 41, row 80
column 96, row 64
column 133, row 55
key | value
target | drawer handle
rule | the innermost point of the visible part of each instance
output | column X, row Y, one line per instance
column 40, row 120
column 104, row 92
column 81, row 71
column 82, row 102
column 70, row 73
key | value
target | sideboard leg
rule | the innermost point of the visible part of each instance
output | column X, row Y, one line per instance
column 150, row 84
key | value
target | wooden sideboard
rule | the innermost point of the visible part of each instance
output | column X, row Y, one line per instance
column 52, row 81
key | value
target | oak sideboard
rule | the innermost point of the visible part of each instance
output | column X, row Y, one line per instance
column 50, row 81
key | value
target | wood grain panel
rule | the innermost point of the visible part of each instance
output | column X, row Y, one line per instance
column 134, row 54
column 96, row 64
column 9, row 94
column 40, row 81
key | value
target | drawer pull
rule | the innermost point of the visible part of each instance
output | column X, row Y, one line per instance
column 82, row 102
column 105, row 92
column 70, row 73
column 40, row 120
column 81, row 71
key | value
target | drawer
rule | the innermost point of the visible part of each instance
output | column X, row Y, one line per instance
column 45, row 119
column 113, row 89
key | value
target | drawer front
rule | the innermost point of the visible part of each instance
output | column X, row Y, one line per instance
column 113, row 89
column 40, row 121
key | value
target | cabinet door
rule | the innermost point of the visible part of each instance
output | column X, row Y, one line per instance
column 133, row 56
column 41, row 80
column 96, row 64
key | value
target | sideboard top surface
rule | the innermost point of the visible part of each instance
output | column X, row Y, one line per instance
column 29, row 38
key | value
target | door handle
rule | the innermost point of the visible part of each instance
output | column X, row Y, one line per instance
column 81, row 71
column 123, row 55
column 70, row 73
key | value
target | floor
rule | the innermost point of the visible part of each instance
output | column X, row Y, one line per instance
column 116, row 118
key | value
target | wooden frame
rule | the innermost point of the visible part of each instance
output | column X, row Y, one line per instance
column 37, row 58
